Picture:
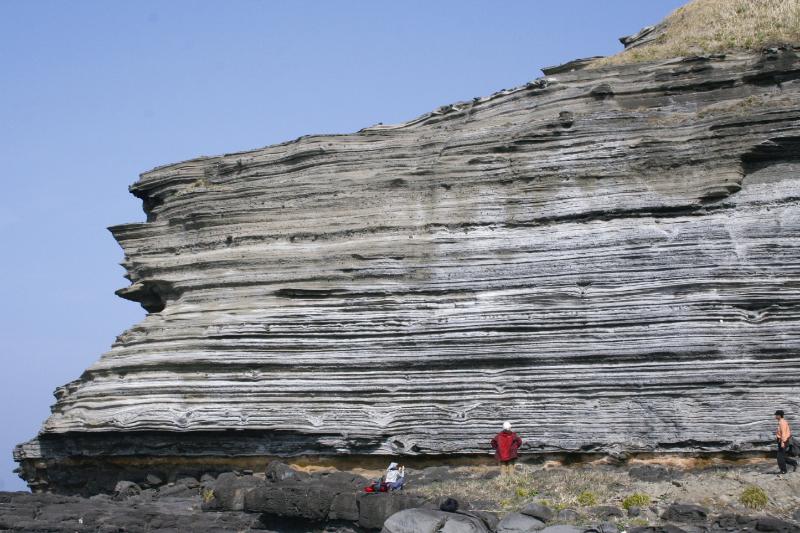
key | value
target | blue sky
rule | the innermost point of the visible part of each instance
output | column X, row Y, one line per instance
column 94, row 92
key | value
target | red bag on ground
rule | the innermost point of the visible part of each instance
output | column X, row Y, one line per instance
column 377, row 487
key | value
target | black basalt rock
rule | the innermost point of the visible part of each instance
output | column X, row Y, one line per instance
column 685, row 512
column 539, row 511
column 652, row 473
column 279, row 472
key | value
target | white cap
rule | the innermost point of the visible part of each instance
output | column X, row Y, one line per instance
column 392, row 466
column 507, row 426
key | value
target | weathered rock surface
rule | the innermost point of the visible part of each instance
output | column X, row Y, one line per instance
column 607, row 512
column 608, row 258
column 26, row 512
column 538, row 511
column 737, row 522
column 519, row 523
column 432, row 521
column 652, row 473
column 292, row 498
column 684, row 512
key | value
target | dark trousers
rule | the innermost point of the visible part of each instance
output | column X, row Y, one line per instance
column 783, row 460
column 396, row 485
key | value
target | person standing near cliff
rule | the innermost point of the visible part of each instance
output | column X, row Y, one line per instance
column 505, row 444
column 783, row 435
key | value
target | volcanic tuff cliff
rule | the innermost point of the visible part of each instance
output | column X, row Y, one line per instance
column 606, row 257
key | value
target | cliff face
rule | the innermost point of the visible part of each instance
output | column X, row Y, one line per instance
column 608, row 258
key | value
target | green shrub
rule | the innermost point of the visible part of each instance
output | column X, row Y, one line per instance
column 523, row 492
column 754, row 497
column 587, row 498
column 637, row 499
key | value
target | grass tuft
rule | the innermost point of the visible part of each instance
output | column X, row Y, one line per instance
column 637, row 499
column 587, row 498
column 718, row 26
column 754, row 498
column 525, row 492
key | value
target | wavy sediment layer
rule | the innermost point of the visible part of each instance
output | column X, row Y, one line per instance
column 606, row 257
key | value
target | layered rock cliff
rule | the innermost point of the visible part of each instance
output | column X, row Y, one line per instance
column 605, row 257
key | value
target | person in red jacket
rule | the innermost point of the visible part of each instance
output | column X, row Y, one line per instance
column 505, row 444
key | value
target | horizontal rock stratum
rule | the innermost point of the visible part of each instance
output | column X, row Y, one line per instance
column 608, row 258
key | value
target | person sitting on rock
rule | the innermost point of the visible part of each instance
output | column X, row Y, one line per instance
column 505, row 444
column 395, row 476
column 783, row 435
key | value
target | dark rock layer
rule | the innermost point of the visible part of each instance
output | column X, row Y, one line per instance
column 607, row 257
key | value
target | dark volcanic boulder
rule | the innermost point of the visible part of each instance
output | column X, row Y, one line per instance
column 344, row 506
column 738, row 522
column 125, row 490
column 277, row 471
column 305, row 499
column 607, row 512
column 538, row 511
column 685, row 512
column 341, row 481
column 651, row 473
column 478, row 509
column 519, row 523
column 776, row 525
column 374, row 509
column 228, row 492
column 285, row 499
column 301, row 500
column 432, row 521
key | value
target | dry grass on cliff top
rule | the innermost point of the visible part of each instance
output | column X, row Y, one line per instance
column 716, row 26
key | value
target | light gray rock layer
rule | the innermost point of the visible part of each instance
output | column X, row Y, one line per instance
column 607, row 258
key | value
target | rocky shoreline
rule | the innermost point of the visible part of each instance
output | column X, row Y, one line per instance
column 552, row 498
